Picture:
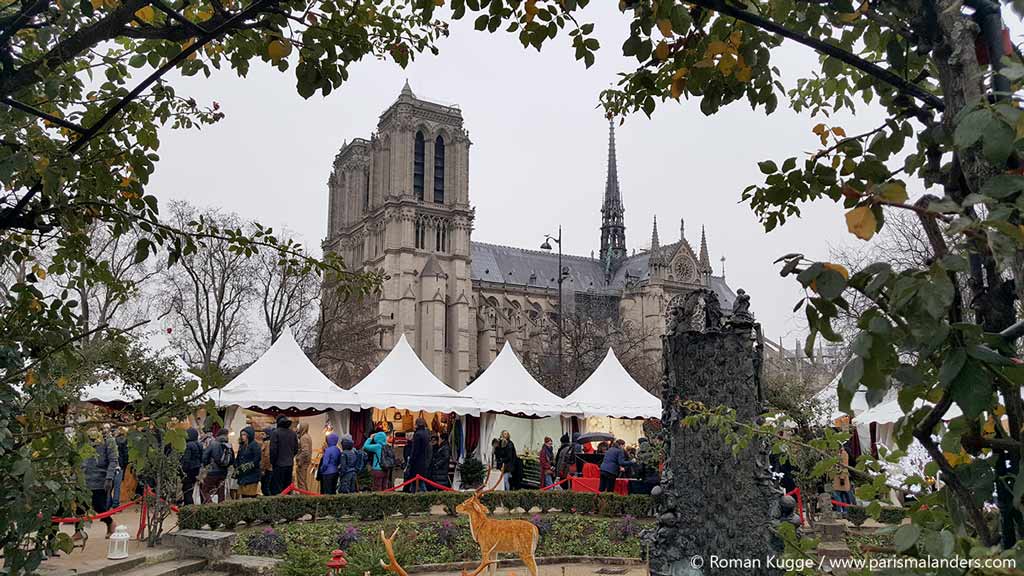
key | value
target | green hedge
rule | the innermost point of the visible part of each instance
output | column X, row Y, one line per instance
column 378, row 505
column 892, row 515
column 857, row 515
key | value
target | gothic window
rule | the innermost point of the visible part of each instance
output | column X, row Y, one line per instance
column 439, row 170
column 421, row 235
column 417, row 166
column 685, row 269
column 366, row 189
column 437, row 240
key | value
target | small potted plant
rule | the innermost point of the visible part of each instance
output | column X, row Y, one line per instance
column 471, row 473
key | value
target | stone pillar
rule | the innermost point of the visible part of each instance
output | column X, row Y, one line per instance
column 711, row 503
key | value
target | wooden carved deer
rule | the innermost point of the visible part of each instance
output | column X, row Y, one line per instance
column 496, row 536
column 394, row 567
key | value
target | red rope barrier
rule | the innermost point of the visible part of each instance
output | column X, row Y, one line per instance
column 559, row 483
column 842, row 504
column 799, row 502
column 107, row 514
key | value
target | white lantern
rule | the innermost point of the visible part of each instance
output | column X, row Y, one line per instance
column 118, row 547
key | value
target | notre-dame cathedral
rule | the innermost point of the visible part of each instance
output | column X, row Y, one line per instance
column 399, row 203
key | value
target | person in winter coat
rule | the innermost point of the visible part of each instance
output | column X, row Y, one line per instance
column 374, row 448
column 563, row 458
column 191, row 464
column 614, row 460
column 577, row 449
column 329, row 466
column 347, row 468
column 247, row 466
column 441, row 456
column 304, row 457
column 284, row 445
column 547, row 463
column 121, row 441
column 507, row 458
column 266, row 468
column 100, row 471
column 214, row 458
column 419, row 458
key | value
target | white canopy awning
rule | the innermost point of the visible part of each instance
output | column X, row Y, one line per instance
column 284, row 378
column 829, row 395
column 113, row 389
column 402, row 381
column 506, row 386
column 611, row 391
column 890, row 411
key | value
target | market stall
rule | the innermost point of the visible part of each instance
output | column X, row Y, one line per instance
column 510, row 399
column 610, row 400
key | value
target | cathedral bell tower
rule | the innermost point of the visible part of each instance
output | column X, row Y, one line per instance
column 400, row 205
column 613, row 228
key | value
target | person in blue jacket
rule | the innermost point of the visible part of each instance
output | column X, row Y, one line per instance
column 615, row 460
column 247, row 465
column 374, row 447
column 329, row 466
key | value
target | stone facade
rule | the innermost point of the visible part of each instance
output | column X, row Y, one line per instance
column 399, row 204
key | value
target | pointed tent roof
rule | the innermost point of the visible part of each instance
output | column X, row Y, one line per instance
column 506, row 386
column 284, row 378
column 611, row 391
column 402, row 381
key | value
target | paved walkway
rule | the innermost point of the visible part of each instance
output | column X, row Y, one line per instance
column 95, row 551
column 561, row 570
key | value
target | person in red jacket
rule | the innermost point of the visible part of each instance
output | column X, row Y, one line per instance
column 547, row 457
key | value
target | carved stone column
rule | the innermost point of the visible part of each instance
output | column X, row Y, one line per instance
column 711, row 503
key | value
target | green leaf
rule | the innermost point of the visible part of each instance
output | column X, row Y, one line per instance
column 906, row 537
column 1002, row 186
column 972, row 389
column 997, row 142
column 952, row 366
column 481, row 22
column 971, row 128
column 768, row 167
column 829, row 284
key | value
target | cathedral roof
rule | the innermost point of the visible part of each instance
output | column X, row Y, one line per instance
column 494, row 263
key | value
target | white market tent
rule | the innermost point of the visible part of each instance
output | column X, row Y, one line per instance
column 611, row 395
column 283, row 378
column 511, row 399
column 402, row 381
column 110, row 390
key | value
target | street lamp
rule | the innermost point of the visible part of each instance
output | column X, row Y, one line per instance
column 561, row 277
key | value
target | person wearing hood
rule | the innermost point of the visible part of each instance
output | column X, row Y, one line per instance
column 374, row 446
column 563, row 458
column 266, row 467
column 547, row 462
column 217, row 458
column 191, row 464
column 247, row 467
column 100, row 471
column 577, row 449
column 329, row 466
column 347, row 469
column 303, row 457
column 284, row 445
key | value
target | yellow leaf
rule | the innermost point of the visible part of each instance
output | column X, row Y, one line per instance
column 861, row 222
column 146, row 14
column 96, row 4
column 848, row 17
column 894, row 192
column 735, row 38
column 42, row 164
column 835, row 162
column 726, row 64
column 819, row 129
column 705, row 63
column 30, row 378
column 665, row 27
column 678, row 87
column 661, row 52
column 39, row 271
column 679, row 73
column 438, row 2
column 716, row 47
column 278, row 49
column 837, row 268
column 839, row 132
column 744, row 73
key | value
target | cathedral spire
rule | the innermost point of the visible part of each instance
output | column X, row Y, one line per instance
column 705, row 260
column 613, row 228
column 407, row 90
column 655, row 242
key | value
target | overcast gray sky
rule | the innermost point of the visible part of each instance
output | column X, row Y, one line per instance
column 538, row 157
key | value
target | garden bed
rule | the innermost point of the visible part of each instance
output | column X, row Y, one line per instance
column 305, row 547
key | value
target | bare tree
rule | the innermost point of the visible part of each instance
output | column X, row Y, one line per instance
column 207, row 295
column 287, row 290
column 346, row 337
column 109, row 283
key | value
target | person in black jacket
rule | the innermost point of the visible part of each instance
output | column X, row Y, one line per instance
column 507, row 458
column 420, row 457
column 191, row 463
column 247, row 466
column 214, row 459
column 439, row 462
column 284, row 445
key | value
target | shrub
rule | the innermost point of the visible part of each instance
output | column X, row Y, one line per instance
column 472, row 472
column 626, row 528
column 301, row 561
column 543, row 526
column 891, row 515
column 268, row 543
column 856, row 515
column 446, row 533
column 348, row 537
column 379, row 505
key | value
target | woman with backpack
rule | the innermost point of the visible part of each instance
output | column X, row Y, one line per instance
column 217, row 458
column 382, row 459
column 349, row 466
column 329, row 466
